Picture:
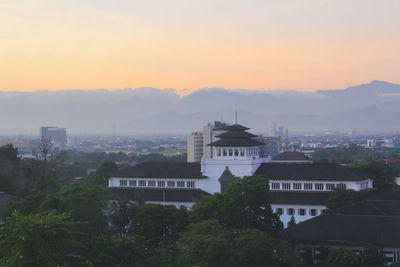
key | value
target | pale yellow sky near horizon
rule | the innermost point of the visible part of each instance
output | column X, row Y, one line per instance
column 254, row 44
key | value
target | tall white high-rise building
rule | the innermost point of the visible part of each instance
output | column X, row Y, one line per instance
column 195, row 147
column 197, row 142
column 272, row 129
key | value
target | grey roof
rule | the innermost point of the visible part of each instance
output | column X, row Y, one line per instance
column 226, row 176
column 298, row 198
column 236, row 136
column 236, row 127
column 363, row 225
column 162, row 169
column 161, row 194
column 235, row 142
column 291, row 156
column 371, row 207
column 310, row 171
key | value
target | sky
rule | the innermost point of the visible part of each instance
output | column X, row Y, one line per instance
column 303, row 45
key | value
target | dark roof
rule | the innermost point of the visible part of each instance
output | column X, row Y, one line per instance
column 310, row 171
column 366, row 223
column 236, row 127
column 234, row 142
column 161, row 194
column 299, row 198
column 162, row 169
column 371, row 207
column 236, row 136
column 291, row 156
column 226, row 176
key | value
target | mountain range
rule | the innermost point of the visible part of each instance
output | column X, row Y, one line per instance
column 372, row 107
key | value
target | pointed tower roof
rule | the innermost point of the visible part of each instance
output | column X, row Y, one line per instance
column 226, row 176
column 236, row 136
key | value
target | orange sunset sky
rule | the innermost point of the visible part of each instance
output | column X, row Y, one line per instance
column 255, row 44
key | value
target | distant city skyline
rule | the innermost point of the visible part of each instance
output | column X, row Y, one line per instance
column 185, row 45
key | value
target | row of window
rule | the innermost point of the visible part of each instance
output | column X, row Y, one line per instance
column 152, row 183
column 306, row 186
column 230, row 152
column 300, row 211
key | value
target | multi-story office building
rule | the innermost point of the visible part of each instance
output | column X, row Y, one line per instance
column 272, row 146
column 58, row 136
column 195, row 147
column 197, row 142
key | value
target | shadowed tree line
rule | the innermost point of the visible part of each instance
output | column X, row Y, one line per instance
column 59, row 221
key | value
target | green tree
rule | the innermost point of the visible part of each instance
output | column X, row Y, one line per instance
column 382, row 174
column 245, row 203
column 292, row 222
column 159, row 224
column 342, row 197
column 42, row 239
column 119, row 252
column 9, row 165
column 208, row 243
column 86, row 204
column 343, row 257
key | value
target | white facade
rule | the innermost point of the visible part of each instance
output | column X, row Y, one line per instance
column 195, row 147
column 300, row 213
column 319, row 186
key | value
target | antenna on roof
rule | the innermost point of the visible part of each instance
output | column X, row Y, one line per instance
column 236, row 111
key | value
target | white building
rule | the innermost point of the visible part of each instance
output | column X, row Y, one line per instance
column 197, row 142
column 195, row 147
column 298, row 186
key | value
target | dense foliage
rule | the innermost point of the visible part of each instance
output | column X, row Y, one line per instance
column 57, row 220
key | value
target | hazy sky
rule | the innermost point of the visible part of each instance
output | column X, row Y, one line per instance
column 255, row 44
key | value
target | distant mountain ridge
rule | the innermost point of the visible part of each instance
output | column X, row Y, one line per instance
column 369, row 107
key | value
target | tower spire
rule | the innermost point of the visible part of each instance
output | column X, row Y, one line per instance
column 236, row 114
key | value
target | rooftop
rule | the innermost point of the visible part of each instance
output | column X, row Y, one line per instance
column 291, row 156
column 236, row 136
column 310, row 171
column 367, row 223
column 162, row 169
column 161, row 194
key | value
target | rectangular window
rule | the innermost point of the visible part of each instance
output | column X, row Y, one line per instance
column 290, row 211
column 219, row 152
column 142, row 183
column 323, row 211
column 302, row 212
column 308, row 186
column 330, row 187
column 242, row 152
column 230, row 152
column 171, row 183
column 161, row 183
column 151, row 183
column 341, row 186
column 275, row 186
column 319, row 187
column 236, row 152
column 180, row 184
column 190, row 184
column 123, row 183
column 224, row 152
column 297, row 186
column 313, row 212
column 286, row 186
column 279, row 211
column 132, row 183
